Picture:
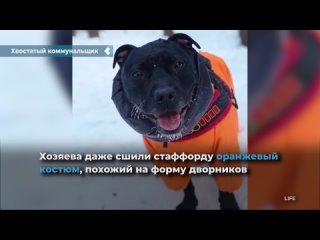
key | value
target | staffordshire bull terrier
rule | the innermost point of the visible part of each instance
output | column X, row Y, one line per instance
column 164, row 90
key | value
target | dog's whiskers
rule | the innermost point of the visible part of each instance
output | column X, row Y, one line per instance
column 136, row 113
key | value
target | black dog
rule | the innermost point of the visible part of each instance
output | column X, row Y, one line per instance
column 162, row 90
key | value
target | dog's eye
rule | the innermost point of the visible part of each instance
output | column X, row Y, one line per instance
column 178, row 65
column 137, row 74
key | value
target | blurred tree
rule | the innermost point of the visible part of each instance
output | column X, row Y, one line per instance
column 93, row 33
column 168, row 33
column 63, row 65
column 244, row 37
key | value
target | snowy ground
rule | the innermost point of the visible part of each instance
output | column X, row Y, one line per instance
column 38, row 116
column 33, row 108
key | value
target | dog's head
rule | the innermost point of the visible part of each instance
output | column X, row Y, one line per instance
column 162, row 88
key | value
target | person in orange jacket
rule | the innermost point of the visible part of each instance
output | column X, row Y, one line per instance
column 215, row 132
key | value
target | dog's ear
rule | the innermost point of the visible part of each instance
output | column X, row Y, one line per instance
column 184, row 40
column 122, row 54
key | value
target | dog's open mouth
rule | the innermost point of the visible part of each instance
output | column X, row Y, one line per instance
column 171, row 121
column 170, row 124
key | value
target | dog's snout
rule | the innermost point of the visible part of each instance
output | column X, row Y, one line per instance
column 163, row 95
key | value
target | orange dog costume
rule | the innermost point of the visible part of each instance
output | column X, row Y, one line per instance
column 221, row 137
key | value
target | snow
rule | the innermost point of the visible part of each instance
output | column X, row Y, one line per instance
column 96, row 126
column 33, row 108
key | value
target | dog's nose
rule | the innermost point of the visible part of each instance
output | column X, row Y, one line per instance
column 164, row 95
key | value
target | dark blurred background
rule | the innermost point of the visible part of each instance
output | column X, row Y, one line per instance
column 284, row 116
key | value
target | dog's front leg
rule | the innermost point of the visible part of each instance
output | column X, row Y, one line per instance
column 190, row 201
column 228, row 201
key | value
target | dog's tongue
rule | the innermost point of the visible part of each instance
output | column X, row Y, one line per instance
column 169, row 121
